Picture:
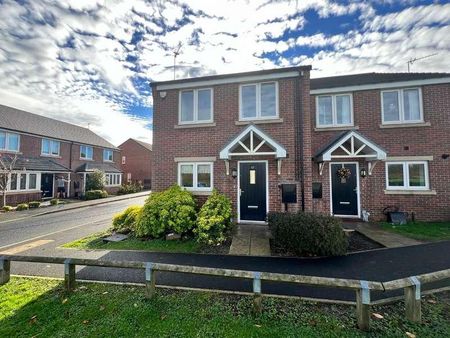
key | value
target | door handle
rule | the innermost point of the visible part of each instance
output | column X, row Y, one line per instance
column 240, row 192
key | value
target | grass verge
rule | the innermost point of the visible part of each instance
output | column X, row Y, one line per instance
column 40, row 307
column 95, row 242
column 421, row 230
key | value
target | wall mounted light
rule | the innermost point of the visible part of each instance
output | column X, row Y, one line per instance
column 363, row 172
column 234, row 172
column 162, row 94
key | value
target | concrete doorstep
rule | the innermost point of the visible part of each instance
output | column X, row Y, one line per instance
column 251, row 240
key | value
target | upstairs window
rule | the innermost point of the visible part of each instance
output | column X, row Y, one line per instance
column 196, row 106
column 195, row 176
column 107, row 155
column 50, row 147
column 86, row 152
column 407, row 175
column 9, row 141
column 401, row 106
column 334, row 110
column 259, row 101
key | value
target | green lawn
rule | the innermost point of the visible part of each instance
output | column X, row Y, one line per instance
column 95, row 242
column 40, row 308
column 421, row 230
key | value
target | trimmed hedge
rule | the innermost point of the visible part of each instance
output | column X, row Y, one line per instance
column 54, row 201
column 172, row 210
column 214, row 220
column 125, row 221
column 34, row 204
column 22, row 206
column 129, row 189
column 308, row 234
column 95, row 194
column 7, row 208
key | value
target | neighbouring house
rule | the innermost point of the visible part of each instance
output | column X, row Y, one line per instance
column 136, row 162
column 48, row 149
column 274, row 140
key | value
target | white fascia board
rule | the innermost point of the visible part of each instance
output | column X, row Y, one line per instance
column 381, row 86
column 250, row 78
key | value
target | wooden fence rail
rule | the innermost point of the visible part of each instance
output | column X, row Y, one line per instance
column 362, row 288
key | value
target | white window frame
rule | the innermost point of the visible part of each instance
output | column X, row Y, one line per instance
column 124, row 159
column 6, row 149
column 113, row 179
column 195, row 94
column 112, row 155
column 195, row 175
column 50, row 147
column 401, row 106
column 27, row 185
column 87, row 158
column 406, row 185
column 334, row 111
column 258, row 102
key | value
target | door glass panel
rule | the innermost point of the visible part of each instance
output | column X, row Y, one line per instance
column 417, row 175
column 268, row 99
column 395, row 175
column 325, row 110
column 187, row 175
column 390, row 106
column 252, row 176
column 203, row 176
column 411, row 104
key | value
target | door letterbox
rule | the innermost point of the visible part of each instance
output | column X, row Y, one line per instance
column 289, row 193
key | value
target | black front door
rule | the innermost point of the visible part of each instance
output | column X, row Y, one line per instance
column 253, row 194
column 344, row 190
column 47, row 185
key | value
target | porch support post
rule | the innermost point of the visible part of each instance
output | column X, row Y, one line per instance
column 412, row 301
column 68, row 185
column 5, row 271
column 84, row 183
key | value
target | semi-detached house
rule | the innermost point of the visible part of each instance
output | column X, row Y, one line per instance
column 47, row 149
column 337, row 145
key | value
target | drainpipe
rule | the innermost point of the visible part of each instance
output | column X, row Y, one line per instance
column 299, row 136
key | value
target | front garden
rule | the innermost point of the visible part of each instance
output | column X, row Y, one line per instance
column 428, row 231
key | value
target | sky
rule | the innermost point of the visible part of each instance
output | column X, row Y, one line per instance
column 90, row 62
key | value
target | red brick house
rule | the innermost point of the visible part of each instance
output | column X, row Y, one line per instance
column 47, row 149
column 136, row 162
column 256, row 135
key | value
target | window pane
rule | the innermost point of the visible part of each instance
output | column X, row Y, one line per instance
column 417, row 175
column 248, row 101
column 45, row 146
column 325, row 110
column 411, row 104
column 82, row 151
column 13, row 182
column 187, row 106
column 395, row 175
column 343, row 112
column 268, row 99
column 23, row 181
column 390, row 106
column 204, row 105
column 2, row 140
column 32, row 181
column 89, row 152
column 187, row 175
column 55, row 147
column 203, row 176
column 13, row 142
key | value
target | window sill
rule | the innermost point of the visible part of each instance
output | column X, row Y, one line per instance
column 410, row 192
column 12, row 152
column 51, row 156
column 86, row 159
column 194, row 125
column 405, row 125
column 261, row 121
column 200, row 192
column 336, row 128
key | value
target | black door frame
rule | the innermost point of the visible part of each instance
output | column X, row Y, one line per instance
column 358, row 193
column 239, row 190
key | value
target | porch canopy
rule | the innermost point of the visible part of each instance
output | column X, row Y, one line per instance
column 351, row 145
column 252, row 141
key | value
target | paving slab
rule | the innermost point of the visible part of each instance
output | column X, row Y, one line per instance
column 385, row 238
column 251, row 240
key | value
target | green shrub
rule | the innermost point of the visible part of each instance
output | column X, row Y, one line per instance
column 129, row 188
column 54, row 201
column 95, row 194
column 95, row 180
column 34, row 204
column 214, row 219
column 125, row 221
column 7, row 208
column 172, row 210
column 22, row 206
column 308, row 234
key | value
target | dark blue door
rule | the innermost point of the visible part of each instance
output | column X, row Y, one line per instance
column 47, row 185
column 252, row 181
column 344, row 190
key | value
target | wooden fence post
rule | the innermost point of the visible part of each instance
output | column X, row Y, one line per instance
column 69, row 275
column 257, row 297
column 363, row 306
column 150, row 281
column 412, row 301
column 5, row 271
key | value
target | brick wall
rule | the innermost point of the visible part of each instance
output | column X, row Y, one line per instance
column 138, row 161
column 431, row 140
